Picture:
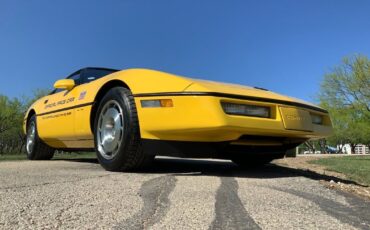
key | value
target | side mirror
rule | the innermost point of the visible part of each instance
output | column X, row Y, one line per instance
column 67, row 84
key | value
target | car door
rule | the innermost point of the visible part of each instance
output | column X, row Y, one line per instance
column 82, row 129
column 58, row 116
column 82, row 122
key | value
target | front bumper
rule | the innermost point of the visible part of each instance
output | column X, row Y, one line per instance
column 200, row 118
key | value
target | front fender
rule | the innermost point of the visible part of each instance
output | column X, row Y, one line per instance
column 140, row 81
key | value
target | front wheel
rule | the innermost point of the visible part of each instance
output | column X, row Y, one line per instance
column 35, row 148
column 117, row 132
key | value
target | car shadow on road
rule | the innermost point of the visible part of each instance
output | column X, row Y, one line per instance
column 79, row 160
column 222, row 168
column 202, row 167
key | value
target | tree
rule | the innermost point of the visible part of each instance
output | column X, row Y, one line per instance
column 10, row 122
column 12, row 138
column 345, row 93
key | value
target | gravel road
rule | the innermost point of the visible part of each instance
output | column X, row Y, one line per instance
column 174, row 194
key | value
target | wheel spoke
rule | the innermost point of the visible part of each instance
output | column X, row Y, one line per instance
column 110, row 129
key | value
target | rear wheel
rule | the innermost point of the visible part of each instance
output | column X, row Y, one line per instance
column 35, row 148
column 117, row 132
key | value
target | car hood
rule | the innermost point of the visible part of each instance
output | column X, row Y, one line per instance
column 240, row 90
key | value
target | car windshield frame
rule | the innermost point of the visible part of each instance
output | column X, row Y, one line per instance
column 82, row 79
column 84, row 73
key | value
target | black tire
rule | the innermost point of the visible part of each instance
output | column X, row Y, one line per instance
column 39, row 150
column 128, row 155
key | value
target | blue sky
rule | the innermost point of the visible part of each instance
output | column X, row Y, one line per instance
column 285, row 46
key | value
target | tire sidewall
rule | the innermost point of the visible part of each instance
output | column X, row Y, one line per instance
column 121, row 96
column 32, row 155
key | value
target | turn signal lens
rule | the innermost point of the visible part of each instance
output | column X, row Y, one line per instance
column 316, row 119
column 156, row 103
column 246, row 110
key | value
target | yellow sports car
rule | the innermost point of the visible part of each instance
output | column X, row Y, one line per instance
column 132, row 115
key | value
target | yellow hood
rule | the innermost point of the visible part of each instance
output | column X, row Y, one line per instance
column 235, row 89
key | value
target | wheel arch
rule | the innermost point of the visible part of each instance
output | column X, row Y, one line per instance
column 102, row 91
column 29, row 115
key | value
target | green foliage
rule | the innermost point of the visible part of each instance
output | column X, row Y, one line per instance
column 57, row 156
column 11, row 118
column 345, row 93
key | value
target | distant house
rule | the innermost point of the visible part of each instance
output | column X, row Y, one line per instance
column 362, row 149
column 359, row 149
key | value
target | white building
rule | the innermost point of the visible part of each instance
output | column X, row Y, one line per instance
column 359, row 149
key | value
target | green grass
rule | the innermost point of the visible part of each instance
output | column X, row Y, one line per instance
column 356, row 168
column 13, row 157
column 58, row 156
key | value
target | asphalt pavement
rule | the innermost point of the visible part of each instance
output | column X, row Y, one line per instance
column 172, row 194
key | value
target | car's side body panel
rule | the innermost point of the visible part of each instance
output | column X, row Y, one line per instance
column 53, row 115
column 64, row 119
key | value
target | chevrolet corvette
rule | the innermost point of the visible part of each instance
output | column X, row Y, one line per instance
column 130, row 116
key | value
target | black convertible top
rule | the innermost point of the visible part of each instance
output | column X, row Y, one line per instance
column 97, row 68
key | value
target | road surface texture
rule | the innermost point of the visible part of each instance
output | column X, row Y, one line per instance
column 173, row 194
